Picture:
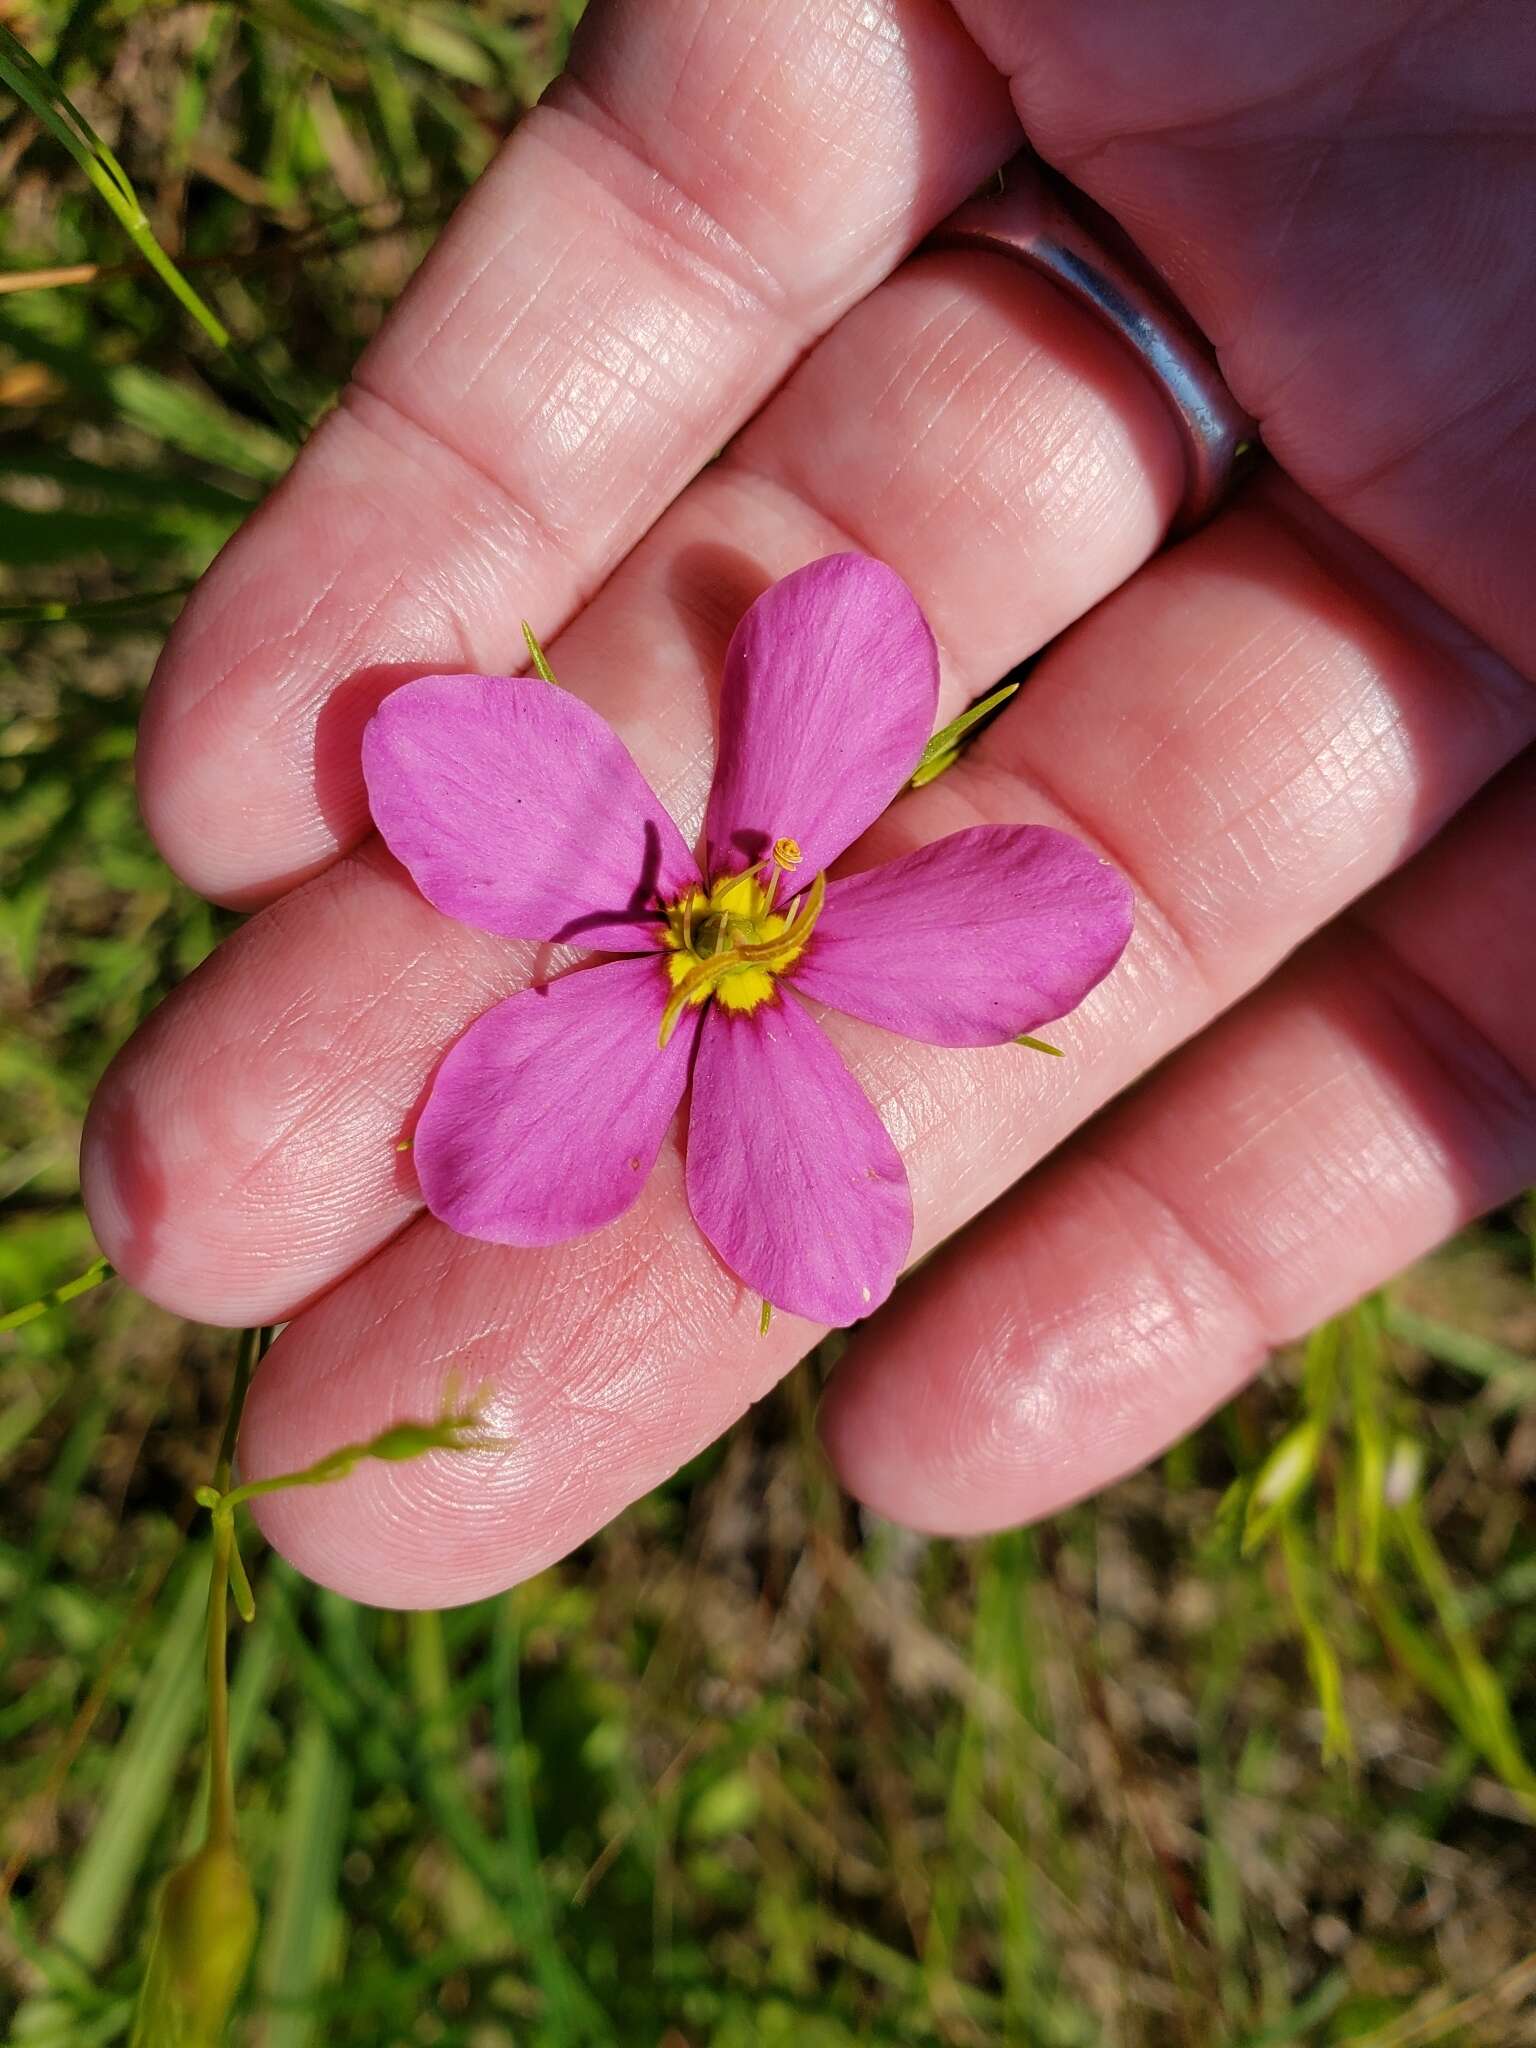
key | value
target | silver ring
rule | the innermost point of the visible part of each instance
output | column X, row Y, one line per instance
column 1022, row 216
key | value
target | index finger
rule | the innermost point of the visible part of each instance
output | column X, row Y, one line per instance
column 702, row 194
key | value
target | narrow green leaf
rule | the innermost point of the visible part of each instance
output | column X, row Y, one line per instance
column 299, row 1952
column 187, row 415
column 1322, row 1658
column 1463, row 1349
column 570, row 2013
column 137, row 1793
column 1483, row 1713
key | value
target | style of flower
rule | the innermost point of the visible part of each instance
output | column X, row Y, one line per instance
column 515, row 808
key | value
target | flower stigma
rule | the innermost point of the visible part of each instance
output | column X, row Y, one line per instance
column 731, row 941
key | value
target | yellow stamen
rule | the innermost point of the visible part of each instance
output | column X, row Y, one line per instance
column 696, row 982
column 739, row 961
column 802, row 917
column 787, row 854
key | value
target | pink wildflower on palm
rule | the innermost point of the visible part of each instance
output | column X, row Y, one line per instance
column 515, row 808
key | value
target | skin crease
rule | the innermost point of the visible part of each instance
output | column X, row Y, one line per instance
column 1259, row 726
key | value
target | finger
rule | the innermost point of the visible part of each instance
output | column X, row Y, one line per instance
column 1342, row 198
column 1374, row 1097
column 1320, row 750
column 242, row 1152
column 704, row 193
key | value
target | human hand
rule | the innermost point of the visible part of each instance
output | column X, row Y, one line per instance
column 1260, row 727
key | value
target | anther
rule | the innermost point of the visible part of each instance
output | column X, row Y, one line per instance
column 787, row 855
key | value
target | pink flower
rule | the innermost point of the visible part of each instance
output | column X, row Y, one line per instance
column 515, row 808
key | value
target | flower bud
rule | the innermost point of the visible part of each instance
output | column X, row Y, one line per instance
column 1288, row 1467
column 205, row 1929
column 1405, row 1470
column 1281, row 1480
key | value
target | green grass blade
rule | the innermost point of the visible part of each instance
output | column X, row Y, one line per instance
column 1323, row 1664
column 569, row 2014
column 299, row 1953
column 139, row 1790
column 44, row 98
column 1463, row 1349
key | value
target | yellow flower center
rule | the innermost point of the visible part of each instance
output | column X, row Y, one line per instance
column 732, row 941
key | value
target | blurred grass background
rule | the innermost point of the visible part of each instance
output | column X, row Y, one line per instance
column 1234, row 1755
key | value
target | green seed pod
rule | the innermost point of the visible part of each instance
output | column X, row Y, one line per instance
column 205, row 1929
column 1281, row 1480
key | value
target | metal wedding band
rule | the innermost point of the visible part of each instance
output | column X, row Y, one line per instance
column 1023, row 216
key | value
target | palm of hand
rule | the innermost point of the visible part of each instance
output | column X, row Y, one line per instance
column 1260, row 727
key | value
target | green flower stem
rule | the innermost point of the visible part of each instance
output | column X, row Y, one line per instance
column 94, row 1274
column 225, row 1562
column 221, row 1782
column 252, row 1344
column 456, row 1429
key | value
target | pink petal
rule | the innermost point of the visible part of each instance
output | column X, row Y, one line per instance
column 791, row 1175
column 517, row 809
column 548, row 1114
column 831, row 681
column 972, row 940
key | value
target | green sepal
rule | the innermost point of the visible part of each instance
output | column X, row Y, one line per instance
column 943, row 750
column 536, row 655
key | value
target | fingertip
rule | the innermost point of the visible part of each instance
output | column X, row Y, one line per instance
column 232, row 1175
column 1033, row 1363
column 387, row 1535
column 157, row 1208
column 249, row 779
column 122, row 1180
